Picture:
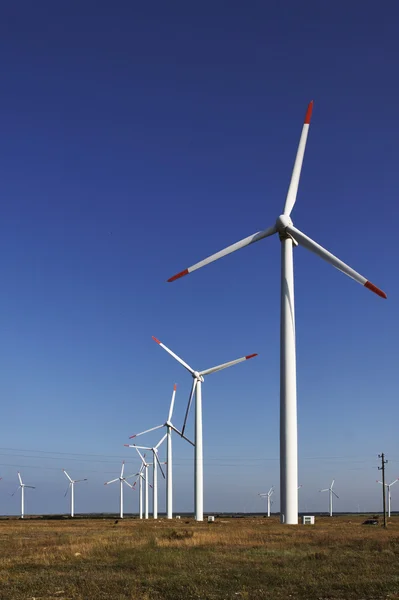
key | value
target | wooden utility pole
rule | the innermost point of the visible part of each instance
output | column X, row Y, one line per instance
column 382, row 468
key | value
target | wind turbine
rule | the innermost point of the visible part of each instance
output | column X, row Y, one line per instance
column 330, row 489
column 22, row 486
column 121, row 480
column 198, row 379
column 155, row 463
column 388, row 486
column 144, row 468
column 268, row 496
column 140, row 477
column 289, row 236
column 169, row 471
column 71, row 487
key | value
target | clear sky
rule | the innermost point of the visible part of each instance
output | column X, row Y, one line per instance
column 137, row 139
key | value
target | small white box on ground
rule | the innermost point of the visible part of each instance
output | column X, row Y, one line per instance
column 211, row 519
column 307, row 520
column 177, row 516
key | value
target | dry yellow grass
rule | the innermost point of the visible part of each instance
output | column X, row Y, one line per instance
column 232, row 558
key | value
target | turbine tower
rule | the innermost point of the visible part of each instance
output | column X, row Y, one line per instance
column 71, row 487
column 121, row 480
column 198, row 379
column 169, row 470
column 388, row 489
column 269, row 500
column 331, row 494
column 22, row 487
column 155, row 463
column 289, row 236
column 144, row 466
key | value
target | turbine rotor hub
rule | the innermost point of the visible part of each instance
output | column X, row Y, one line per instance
column 282, row 223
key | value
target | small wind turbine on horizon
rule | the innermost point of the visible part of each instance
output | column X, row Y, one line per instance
column 140, row 478
column 144, row 466
column 71, row 487
column 198, row 379
column 22, row 487
column 268, row 495
column 289, row 236
column 169, row 470
column 155, row 464
column 388, row 490
column 121, row 480
column 331, row 494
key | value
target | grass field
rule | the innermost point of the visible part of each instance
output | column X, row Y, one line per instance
column 238, row 559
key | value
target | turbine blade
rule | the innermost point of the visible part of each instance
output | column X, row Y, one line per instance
column 396, row 480
column 67, row 475
column 123, row 468
column 195, row 381
column 67, row 490
column 19, row 477
column 127, row 483
column 185, row 365
column 141, row 456
column 112, row 481
column 161, row 441
column 332, row 483
column 326, row 490
column 32, row 487
column 335, row 494
column 311, row 245
column 172, row 403
column 181, row 435
column 79, row 480
column 134, row 446
column 296, row 172
column 237, row 246
column 146, row 431
column 226, row 365
column 159, row 464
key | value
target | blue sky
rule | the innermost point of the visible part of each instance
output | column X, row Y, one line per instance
column 136, row 140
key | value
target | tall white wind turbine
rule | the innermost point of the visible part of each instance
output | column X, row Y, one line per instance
column 289, row 236
column 268, row 495
column 121, row 480
column 388, row 489
column 198, row 379
column 155, row 464
column 22, row 487
column 331, row 494
column 140, row 479
column 71, row 487
column 169, row 469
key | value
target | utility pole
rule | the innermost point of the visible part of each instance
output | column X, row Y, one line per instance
column 382, row 468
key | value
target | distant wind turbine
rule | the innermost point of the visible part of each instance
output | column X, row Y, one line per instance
column 71, row 487
column 22, row 487
column 121, row 480
column 169, row 470
column 198, row 379
column 155, row 463
column 388, row 489
column 331, row 494
column 268, row 495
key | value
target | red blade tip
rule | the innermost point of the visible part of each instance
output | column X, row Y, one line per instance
column 250, row 356
column 155, row 340
column 181, row 274
column 308, row 115
column 175, row 387
column 375, row 289
column 131, row 437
